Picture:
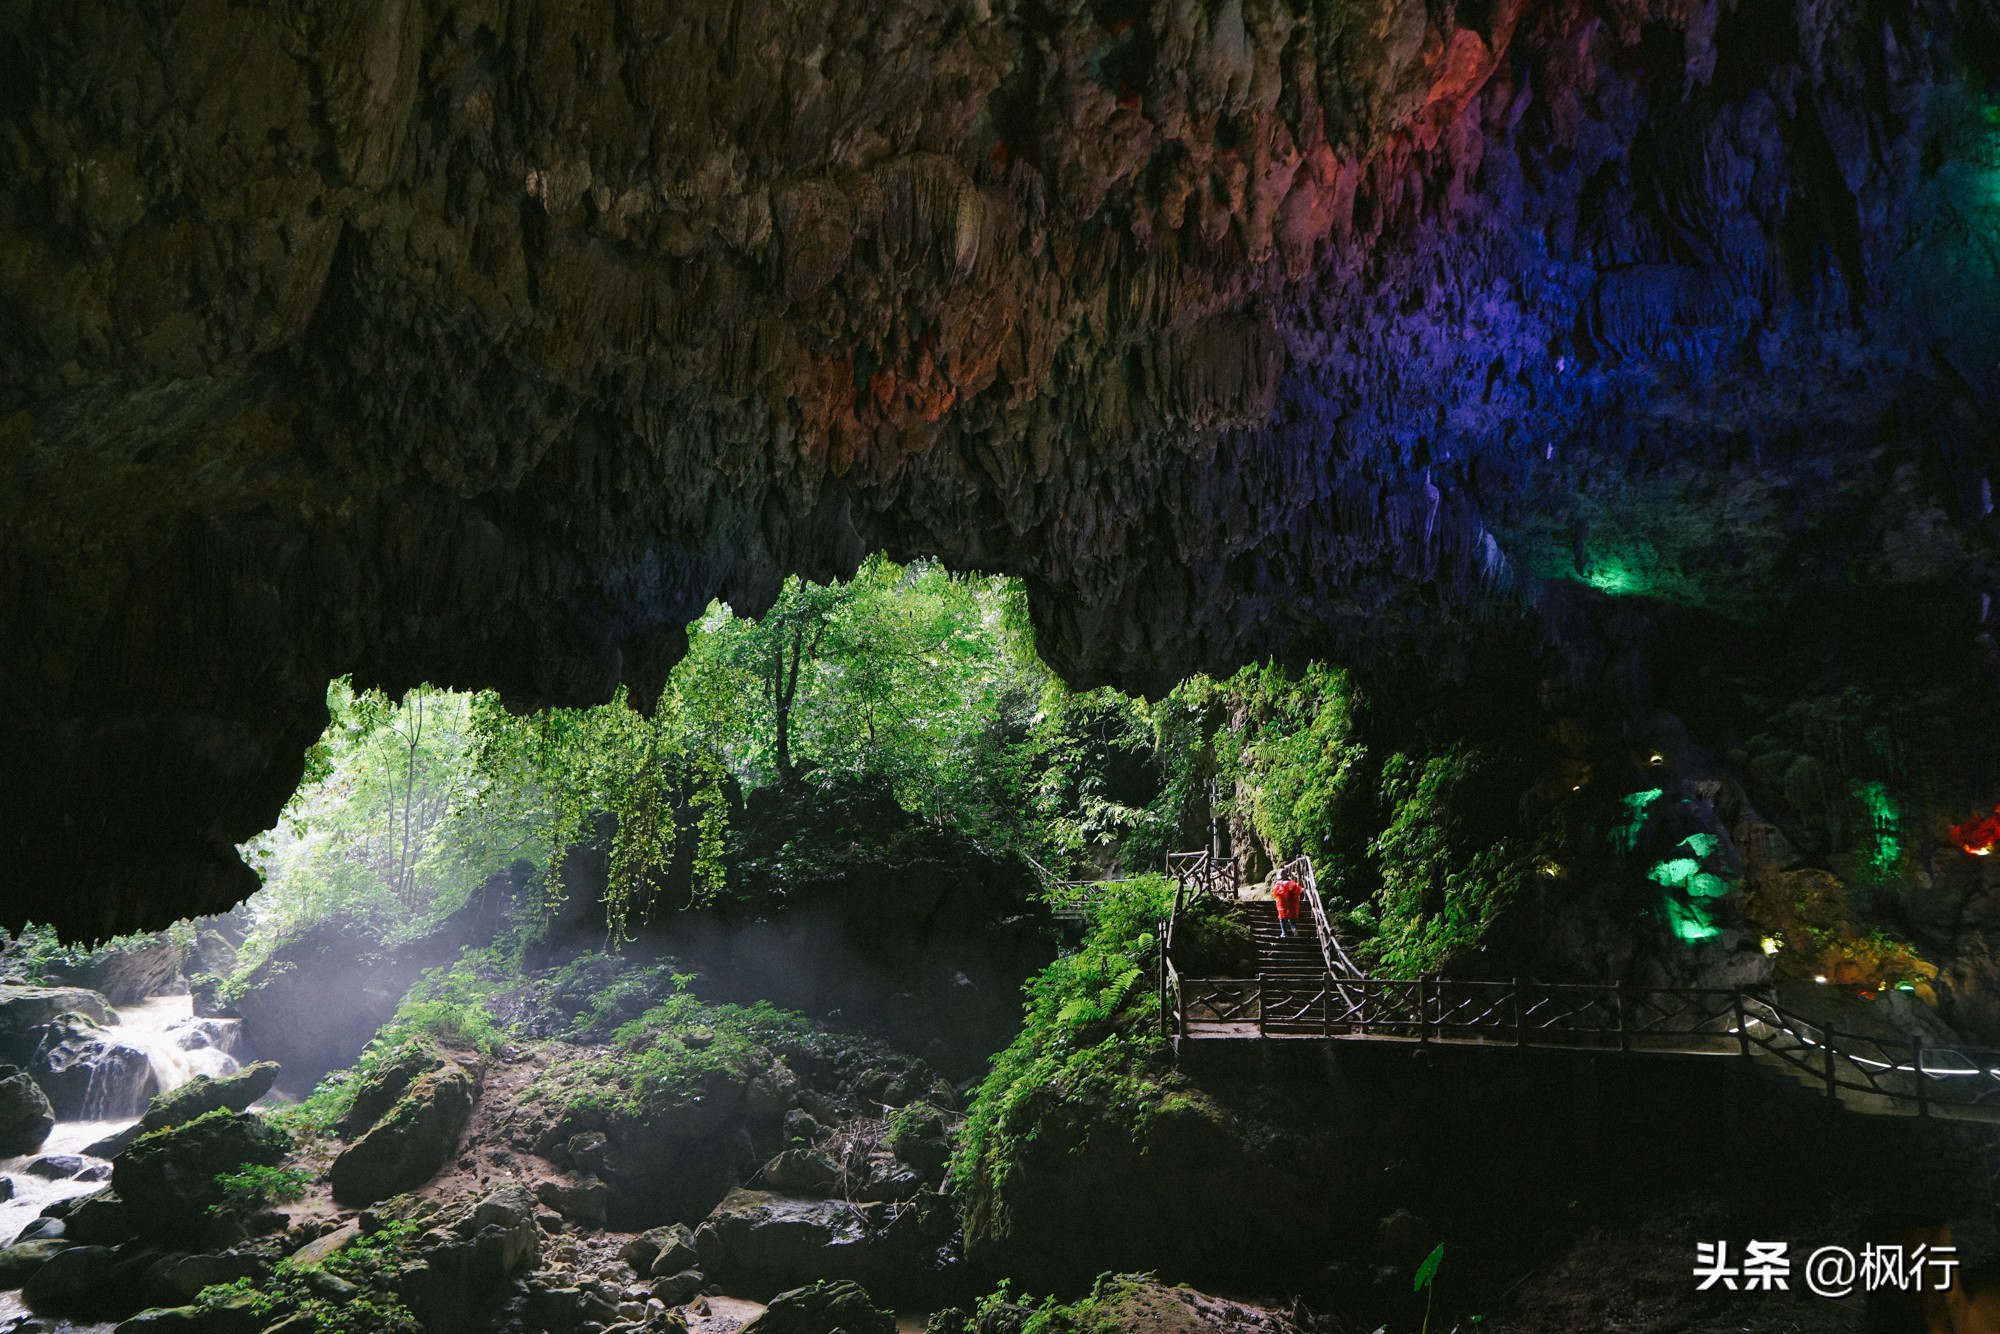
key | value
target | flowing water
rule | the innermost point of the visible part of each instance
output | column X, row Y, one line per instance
column 178, row 1047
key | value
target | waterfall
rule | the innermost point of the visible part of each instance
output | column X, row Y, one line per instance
column 175, row 1047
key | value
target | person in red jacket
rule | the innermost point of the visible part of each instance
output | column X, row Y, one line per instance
column 1286, row 894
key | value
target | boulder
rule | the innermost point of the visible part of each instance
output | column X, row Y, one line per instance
column 674, row 1239
column 466, row 1257
column 920, row 1135
column 677, row 1288
column 81, row 1281
column 113, row 1144
column 167, row 1178
column 23, row 1010
column 802, row 1172
column 126, row 971
column 88, row 1073
column 233, row 1315
column 390, row 1078
column 411, row 1141
column 55, row 1166
column 764, row 1237
column 26, row 1118
column 585, row 1199
column 586, row 1150
column 205, row 1093
column 19, row 1262
column 206, row 998
column 185, row 1276
column 822, row 1308
column 43, row 1229
column 888, row 1178
column 99, row 1219
column 6, row 1189
column 321, row 1249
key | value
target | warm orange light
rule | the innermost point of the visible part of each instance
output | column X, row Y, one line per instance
column 1979, row 836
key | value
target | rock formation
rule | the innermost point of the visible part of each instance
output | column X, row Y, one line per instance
column 484, row 343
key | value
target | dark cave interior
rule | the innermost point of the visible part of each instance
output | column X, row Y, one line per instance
column 1533, row 459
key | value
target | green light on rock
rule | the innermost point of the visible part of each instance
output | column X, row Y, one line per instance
column 1705, row 886
column 1614, row 577
column 1701, row 844
column 1675, row 872
column 1625, row 834
column 1885, row 827
column 1690, row 923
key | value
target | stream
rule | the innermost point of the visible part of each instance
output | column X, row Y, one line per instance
column 178, row 1047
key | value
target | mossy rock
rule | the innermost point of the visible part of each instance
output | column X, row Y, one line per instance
column 205, row 1093
column 168, row 1178
column 386, row 1083
column 411, row 1140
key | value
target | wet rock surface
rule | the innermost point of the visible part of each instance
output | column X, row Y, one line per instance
column 758, row 1238
column 26, row 1118
column 198, row 1097
column 88, row 1073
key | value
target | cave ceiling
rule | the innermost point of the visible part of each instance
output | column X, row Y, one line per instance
column 485, row 343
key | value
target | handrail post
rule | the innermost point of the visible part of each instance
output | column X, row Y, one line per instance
column 1423, row 1013
column 1742, row 1023
column 1923, row 1095
column 1520, row 1026
column 1618, row 1010
column 1326, row 1007
column 1826, row 1046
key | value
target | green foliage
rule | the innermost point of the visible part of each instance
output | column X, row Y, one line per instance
column 253, row 1186
column 1300, row 765
column 1090, row 1037
column 447, row 1005
column 547, row 776
column 909, row 674
column 1106, row 1309
column 35, row 954
column 1447, row 865
column 371, row 1263
column 1426, row 1278
column 371, row 838
column 678, row 1050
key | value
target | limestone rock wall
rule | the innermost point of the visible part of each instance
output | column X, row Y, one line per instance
column 484, row 342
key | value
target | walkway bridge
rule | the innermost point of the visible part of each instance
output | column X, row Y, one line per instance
column 1309, row 988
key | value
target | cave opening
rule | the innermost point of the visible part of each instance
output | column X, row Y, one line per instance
column 1467, row 804
column 651, row 1016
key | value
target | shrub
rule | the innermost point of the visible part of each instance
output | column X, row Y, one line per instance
column 370, row 1263
column 1090, row 1036
column 254, row 1186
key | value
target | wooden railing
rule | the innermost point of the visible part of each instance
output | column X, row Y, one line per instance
column 1196, row 874
column 1331, row 950
column 1067, row 899
column 1926, row 1078
column 1203, row 873
column 1926, row 1075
